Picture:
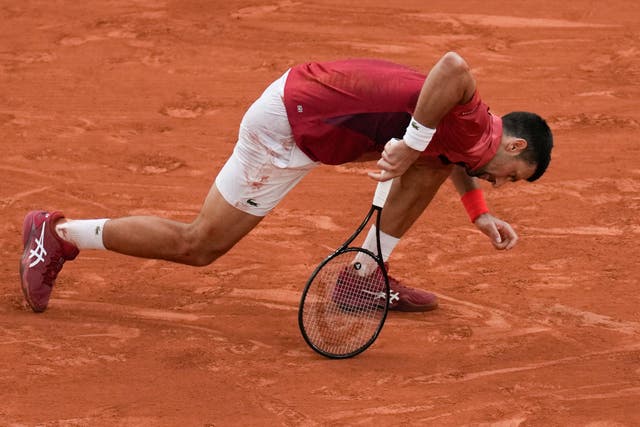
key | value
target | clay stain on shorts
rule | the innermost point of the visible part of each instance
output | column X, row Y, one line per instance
column 258, row 184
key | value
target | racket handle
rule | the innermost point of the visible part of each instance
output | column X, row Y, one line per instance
column 382, row 191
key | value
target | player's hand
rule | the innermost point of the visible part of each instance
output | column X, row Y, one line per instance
column 395, row 160
column 500, row 232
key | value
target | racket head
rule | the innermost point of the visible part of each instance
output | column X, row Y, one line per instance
column 344, row 303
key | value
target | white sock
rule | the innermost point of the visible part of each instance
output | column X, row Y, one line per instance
column 85, row 234
column 387, row 245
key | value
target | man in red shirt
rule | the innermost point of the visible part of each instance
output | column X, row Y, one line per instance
column 423, row 129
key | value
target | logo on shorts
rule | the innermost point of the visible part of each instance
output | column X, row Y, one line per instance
column 252, row 203
column 300, row 109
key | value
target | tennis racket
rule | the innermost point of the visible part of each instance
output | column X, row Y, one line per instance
column 345, row 301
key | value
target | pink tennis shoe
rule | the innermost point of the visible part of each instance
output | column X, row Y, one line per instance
column 44, row 254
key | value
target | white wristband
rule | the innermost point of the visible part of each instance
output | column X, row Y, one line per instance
column 418, row 136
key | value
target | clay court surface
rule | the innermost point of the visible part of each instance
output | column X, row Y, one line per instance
column 114, row 108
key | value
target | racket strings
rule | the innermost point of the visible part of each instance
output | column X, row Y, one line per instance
column 344, row 306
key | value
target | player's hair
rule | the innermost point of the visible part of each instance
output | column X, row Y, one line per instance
column 533, row 129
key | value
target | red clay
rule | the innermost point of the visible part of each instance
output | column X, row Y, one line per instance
column 119, row 108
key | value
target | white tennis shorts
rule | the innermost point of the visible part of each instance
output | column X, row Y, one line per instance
column 266, row 163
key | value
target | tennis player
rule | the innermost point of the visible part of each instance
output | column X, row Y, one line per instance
column 422, row 128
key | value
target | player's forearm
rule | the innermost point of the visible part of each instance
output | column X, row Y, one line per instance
column 462, row 181
column 470, row 193
column 448, row 84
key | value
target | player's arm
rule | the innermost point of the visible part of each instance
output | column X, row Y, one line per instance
column 448, row 84
column 500, row 232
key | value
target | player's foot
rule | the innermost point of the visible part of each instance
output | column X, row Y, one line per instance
column 353, row 292
column 405, row 298
column 44, row 254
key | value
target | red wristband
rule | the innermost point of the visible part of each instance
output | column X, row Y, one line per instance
column 474, row 203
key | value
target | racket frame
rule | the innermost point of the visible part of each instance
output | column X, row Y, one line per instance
column 378, row 203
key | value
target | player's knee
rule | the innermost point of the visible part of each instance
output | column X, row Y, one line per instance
column 201, row 259
column 200, row 249
column 201, row 253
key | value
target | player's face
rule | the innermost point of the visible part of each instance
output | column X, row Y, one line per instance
column 506, row 165
column 500, row 170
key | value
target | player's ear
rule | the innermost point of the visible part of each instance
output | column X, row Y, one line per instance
column 516, row 146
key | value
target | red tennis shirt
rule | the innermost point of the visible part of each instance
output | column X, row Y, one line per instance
column 340, row 110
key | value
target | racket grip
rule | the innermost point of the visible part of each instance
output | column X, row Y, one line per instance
column 382, row 191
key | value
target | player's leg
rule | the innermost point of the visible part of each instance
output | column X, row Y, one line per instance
column 409, row 197
column 217, row 228
column 261, row 170
column 50, row 240
column 411, row 193
column 265, row 165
